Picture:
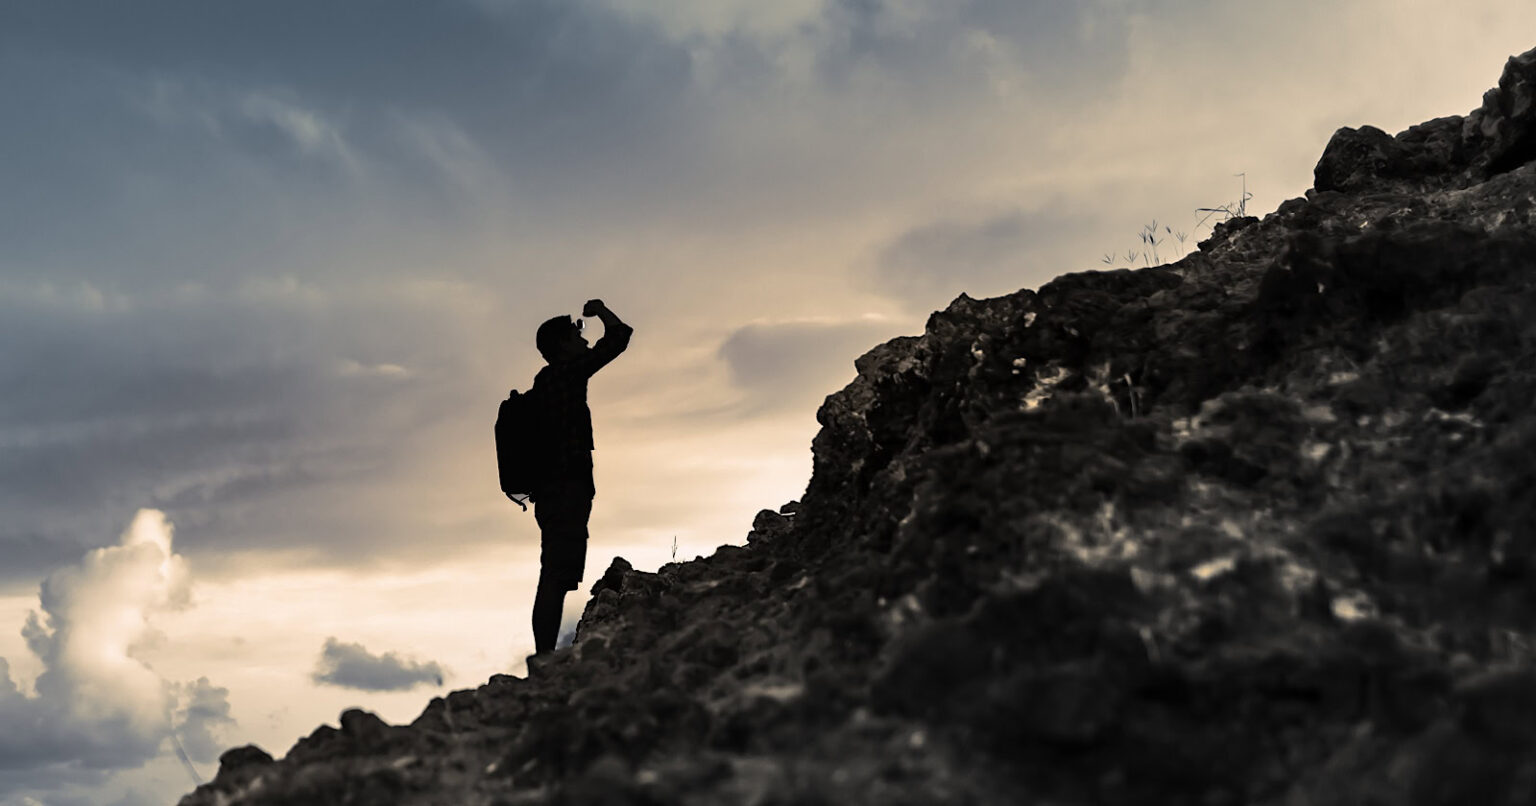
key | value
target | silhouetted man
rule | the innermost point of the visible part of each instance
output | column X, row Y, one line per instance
column 562, row 501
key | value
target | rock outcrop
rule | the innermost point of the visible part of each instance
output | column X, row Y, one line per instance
column 1254, row 527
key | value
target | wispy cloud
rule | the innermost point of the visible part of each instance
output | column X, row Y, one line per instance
column 778, row 364
column 985, row 254
column 313, row 132
column 356, row 369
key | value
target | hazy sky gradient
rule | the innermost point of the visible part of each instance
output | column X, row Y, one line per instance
column 268, row 267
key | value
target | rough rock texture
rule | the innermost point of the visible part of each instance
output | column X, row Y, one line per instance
column 1254, row 527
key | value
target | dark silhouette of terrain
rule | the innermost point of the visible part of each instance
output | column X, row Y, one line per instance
column 1254, row 527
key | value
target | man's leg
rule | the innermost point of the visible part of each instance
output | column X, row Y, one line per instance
column 562, row 523
column 548, row 604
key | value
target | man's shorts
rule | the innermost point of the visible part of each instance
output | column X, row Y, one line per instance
column 562, row 519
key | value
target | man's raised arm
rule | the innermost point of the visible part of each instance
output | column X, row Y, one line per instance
column 615, row 336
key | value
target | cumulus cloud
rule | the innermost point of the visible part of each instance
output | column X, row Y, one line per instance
column 203, row 712
column 96, row 705
column 353, row 666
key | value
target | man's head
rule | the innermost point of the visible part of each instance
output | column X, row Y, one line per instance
column 560, row 338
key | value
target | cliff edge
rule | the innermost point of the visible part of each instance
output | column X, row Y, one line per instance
column 1253, row 527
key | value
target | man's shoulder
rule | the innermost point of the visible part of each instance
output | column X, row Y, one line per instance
column 543, row 380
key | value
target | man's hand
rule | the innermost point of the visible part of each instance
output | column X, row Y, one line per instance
column 610, row 320
column 615, row 336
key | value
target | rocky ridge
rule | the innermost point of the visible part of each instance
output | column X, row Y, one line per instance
column 1253, row 527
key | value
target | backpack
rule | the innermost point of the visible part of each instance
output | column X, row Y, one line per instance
column 521, row 445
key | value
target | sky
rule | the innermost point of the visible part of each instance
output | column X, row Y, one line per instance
column 266, row 270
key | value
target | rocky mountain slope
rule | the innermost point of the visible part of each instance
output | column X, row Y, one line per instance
column 1255, row 527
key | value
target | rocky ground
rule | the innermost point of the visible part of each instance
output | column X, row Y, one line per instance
column 1254, row 527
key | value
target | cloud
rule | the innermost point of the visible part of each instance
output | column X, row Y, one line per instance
column 204, row 711
column 1049, row 45
column 796, row 363
column 929, row 264
column 308, row 129
column 96, row 705
column 353, row 666
column 211, row 405
column 353, row 368
column 98, row 790
column 228, row 146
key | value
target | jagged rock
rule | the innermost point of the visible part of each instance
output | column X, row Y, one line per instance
column 769, row 525
column 1356, row 158
column 240, row 758
column 238, row 767
column 613, row 578
column 1254, row 527
column 1505, row 124
column 1445, row 153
